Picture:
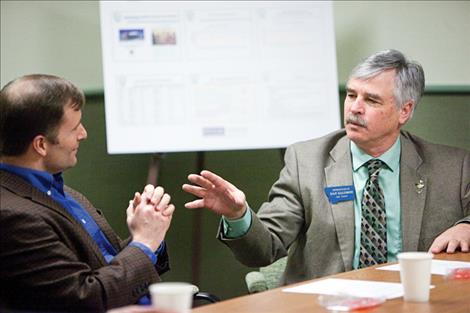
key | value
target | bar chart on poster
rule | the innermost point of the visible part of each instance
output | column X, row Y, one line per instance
column 217, row 75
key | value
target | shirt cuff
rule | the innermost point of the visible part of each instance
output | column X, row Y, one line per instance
column 153, row 256
column 238, row 227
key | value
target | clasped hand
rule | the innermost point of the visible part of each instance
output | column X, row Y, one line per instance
column 149, row 216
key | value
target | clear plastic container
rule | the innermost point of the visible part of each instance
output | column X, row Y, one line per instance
column 345, row 303
column 461, row 273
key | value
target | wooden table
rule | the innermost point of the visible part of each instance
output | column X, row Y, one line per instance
column 447, row 296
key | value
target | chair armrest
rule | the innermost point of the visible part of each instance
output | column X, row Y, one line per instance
column 255, row 282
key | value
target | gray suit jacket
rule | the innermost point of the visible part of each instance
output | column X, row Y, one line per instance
column 49, row 262
column 318, row 236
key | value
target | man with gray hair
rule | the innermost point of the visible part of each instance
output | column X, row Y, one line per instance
column 355, row 197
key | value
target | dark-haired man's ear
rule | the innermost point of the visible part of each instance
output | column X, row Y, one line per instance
column 39, row 145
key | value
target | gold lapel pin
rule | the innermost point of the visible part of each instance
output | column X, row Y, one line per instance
column 419, row 186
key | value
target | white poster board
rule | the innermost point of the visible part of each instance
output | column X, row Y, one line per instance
column 216, row 75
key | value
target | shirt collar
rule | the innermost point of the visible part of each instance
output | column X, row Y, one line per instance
column 42, row 180
column 391, row 157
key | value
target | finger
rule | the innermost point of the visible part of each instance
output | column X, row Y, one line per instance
column 157, row 195
column 130, row 209
column 437, row 246
column 148, row 192
column 216, row 180
column 196, row 204
column 195, row 190
column 464, row 247
column 169, row 210
column 137, row 200
column 164, row 202
column 452, row 246
column 201, row 181
column 149, row 189
column 145, row 197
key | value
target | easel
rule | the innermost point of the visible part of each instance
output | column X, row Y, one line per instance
column 154, row 168
column 152, row 178
column 196, row 246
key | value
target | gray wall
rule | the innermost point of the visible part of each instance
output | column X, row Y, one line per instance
column 62, row 38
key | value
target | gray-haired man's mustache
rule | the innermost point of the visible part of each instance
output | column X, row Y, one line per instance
column 355, row 119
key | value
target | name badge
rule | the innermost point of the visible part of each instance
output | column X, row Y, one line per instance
column 340, row 193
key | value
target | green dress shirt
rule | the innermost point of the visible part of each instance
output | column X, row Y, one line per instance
column 389, row 181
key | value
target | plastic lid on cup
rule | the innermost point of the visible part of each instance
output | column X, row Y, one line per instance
column 415, row 255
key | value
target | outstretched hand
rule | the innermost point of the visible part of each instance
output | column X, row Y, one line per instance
column 215, row 194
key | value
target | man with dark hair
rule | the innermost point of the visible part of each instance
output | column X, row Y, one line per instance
column 57, row 252
column 355, row 197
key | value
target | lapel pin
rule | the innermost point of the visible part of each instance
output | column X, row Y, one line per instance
column 419, row 186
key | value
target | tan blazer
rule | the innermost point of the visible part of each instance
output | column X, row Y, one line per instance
column 319, row 236
column 48, row 261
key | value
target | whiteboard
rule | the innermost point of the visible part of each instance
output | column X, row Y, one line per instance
column 199, row 76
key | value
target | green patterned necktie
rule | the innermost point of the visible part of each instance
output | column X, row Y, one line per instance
column 373, row 221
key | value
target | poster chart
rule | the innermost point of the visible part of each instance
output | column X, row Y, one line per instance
column 217, row 75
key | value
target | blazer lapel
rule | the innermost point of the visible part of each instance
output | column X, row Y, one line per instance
column 412, row 193
column 24, row 189
column 105, row 227
column 339, row 173
column 78, row 228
